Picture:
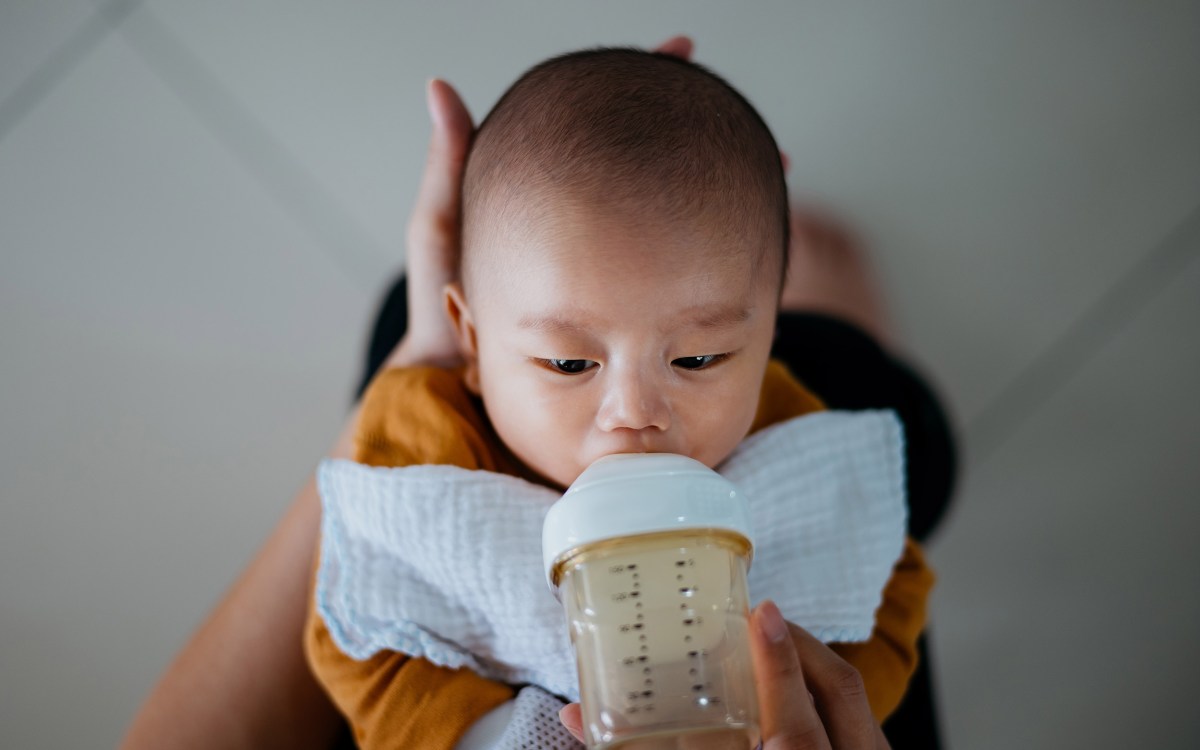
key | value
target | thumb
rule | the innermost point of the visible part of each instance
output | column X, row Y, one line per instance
column 438, row 197
column 572, row 718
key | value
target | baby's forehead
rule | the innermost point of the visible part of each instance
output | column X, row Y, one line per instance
column 579, row 234
column 580, row 244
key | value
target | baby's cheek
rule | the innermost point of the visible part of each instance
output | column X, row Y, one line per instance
column 540, row 427
column 723, row 421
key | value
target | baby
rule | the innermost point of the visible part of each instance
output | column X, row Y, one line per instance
column 624, row 245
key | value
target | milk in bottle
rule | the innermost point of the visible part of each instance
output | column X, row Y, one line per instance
column 648, row 554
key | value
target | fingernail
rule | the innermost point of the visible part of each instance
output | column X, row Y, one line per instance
column 771, row 622
column 567, row 720
column 433, row 110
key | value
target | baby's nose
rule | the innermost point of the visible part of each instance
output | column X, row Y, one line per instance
column 632, row 401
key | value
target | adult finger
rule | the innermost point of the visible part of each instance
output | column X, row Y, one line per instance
column 679, row 46
column 788, row 717
column 435, row 217
column 839, row 693
column 571, row 717
column 433, row 227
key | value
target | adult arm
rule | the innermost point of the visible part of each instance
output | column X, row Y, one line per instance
column 242, row 680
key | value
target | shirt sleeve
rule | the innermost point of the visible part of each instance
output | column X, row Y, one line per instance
column 887, row 661
column 409, row 416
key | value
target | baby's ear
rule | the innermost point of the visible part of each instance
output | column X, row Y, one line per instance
column 464, row 329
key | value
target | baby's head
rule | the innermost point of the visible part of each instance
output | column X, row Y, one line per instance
column 624, row 243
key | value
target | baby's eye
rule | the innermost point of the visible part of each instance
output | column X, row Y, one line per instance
column 570, row 366
column 698, row 363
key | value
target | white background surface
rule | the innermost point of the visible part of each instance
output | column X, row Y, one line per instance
column 200, row 203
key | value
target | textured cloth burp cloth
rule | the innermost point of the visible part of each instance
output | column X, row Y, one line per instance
column 445, row 563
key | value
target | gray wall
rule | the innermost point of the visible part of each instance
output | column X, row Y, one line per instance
column 200, row 202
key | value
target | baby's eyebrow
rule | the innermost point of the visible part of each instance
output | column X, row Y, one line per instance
column 700, row 316
column 552, row 324
column 715, row 317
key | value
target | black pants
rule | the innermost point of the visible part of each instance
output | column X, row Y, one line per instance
column 848, row 370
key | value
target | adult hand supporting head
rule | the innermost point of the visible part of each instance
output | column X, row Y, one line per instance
column 433, row 232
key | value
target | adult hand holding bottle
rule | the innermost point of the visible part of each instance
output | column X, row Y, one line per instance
column 809, row 698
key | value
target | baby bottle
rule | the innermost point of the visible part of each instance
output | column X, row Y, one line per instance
column 648, row 554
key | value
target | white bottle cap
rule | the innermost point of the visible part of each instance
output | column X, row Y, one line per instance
column 639, row 493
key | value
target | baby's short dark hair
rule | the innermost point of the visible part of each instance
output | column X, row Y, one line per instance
column 642, row 132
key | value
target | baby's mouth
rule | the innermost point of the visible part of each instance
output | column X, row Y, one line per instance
column 634, row 448
column 646, row 442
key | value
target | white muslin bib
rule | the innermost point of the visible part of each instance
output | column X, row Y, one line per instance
column 445, row 563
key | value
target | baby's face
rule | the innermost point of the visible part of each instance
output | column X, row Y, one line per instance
column 589, row 336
